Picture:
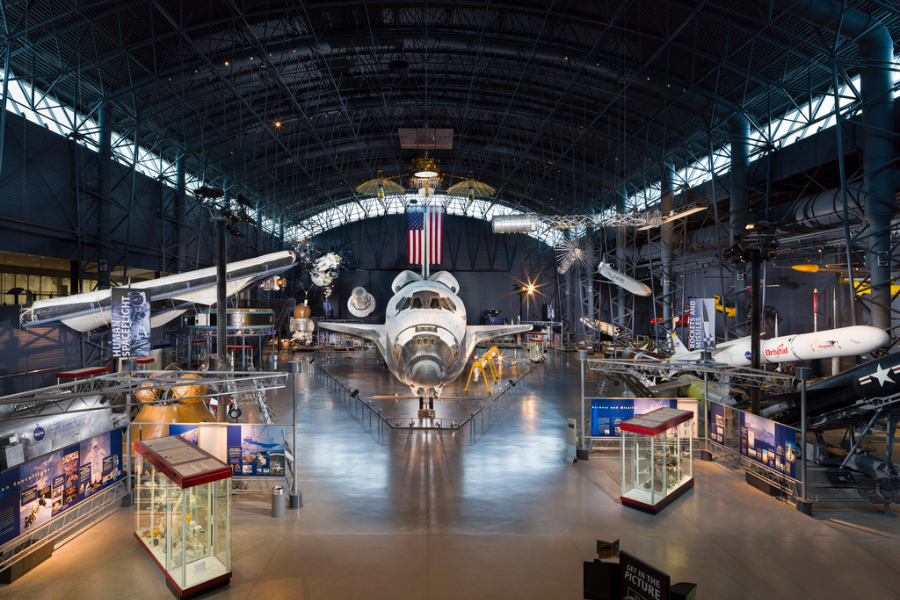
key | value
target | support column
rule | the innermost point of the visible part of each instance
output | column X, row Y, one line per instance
column 667, row 232
column 180, row 217
column 740, row 151
column 104, row 192
column 221, row 306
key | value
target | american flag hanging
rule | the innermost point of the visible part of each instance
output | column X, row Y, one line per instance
column 415, row 220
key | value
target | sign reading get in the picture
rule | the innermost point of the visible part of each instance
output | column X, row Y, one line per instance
column 640, row 581
column 130, row 322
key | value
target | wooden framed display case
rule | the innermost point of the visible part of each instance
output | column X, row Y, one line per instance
column 182, row 514
column 657, row 459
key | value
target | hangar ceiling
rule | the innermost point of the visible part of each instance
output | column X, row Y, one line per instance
column 561, row 106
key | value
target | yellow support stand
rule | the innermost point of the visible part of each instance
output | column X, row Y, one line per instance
column 480, row 365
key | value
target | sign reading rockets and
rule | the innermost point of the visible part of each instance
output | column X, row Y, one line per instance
column 640, row 581
column 130, row 323
column 608, row 413
column 769, row 443
column 702, row 324
column 40, row 489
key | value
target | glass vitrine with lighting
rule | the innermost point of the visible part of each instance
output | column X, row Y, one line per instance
column 182, row 514
column 657, row 458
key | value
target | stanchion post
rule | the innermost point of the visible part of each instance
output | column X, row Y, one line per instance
column 295, row 499
column 804, row 505
column 582, row 451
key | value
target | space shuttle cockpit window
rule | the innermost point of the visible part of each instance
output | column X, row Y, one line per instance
column 448, row 304
column 426, row 299
column 417, row 303
column 403, row 304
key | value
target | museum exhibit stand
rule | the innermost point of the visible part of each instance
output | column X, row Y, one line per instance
column 656, row 458
column 182, row 514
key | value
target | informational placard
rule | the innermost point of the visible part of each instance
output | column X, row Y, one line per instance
column 702, row 324
column 717, row 423
column 40, row 489
column 640, row 581
column 608, row 413
column 256, row 450
column 769, row 443
column 130, row 322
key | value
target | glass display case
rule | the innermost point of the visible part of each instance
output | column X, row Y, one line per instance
column 182, row 514
column 657, row 459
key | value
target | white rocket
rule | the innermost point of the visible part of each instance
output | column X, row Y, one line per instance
column 624, row 281
column 845, row 341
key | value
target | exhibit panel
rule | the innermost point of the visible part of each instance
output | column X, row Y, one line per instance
column 657, row 458
column 182, row 514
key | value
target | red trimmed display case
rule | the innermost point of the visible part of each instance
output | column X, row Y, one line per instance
column 182, row 514
column 657, row 459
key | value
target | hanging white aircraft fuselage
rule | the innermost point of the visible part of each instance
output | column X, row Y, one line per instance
column 425, row 341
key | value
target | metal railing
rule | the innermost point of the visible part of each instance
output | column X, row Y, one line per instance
column 364, row 407
column 64, row 526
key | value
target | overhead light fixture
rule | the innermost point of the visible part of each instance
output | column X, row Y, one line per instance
column 244, row 201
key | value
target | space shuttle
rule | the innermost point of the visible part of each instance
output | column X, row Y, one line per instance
column 169, row 296
column 425, row 341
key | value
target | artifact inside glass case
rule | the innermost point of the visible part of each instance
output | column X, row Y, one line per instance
column 657, row 459
column 182, row 513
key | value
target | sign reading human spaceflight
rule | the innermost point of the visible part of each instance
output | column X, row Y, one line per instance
column 130, row 323
column 702, row 324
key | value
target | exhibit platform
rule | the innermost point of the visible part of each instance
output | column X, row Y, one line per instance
column 497, row 513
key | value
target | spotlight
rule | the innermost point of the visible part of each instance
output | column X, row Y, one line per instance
column 231, row 229
column 354, row 393
column 511, row 383
column 244, row 201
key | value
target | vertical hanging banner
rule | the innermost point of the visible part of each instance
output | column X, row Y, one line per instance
column 415, row 221
column 702, row 324
column 130, row 322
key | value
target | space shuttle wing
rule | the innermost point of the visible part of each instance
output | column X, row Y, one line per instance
column 373, row 333
column 475, row 334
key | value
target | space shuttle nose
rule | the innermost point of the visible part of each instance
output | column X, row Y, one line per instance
column 426, row 373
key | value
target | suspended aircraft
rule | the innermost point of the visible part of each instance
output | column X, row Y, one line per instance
column 169, row 296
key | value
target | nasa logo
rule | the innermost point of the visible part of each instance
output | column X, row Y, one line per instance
column 781, row 349
column 38, row 433
column 747, row 355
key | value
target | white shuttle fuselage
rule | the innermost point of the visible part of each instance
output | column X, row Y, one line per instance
column 425, row 341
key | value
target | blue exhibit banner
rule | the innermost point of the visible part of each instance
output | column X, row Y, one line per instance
column 256, row 450
column 608, row 413
column 769, row 443
column 130, row 322
column 702, row 324
column 717, row 423
column 36, row 491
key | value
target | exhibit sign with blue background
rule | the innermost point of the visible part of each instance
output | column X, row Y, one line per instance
column 251, row 450
column 608, row 413
column 702, row 324
column 769, row 443
column 130, row 322
column 35, row 492
column 717, row 423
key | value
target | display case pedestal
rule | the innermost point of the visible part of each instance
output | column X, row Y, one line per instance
column 657, row 459
column 182, row 513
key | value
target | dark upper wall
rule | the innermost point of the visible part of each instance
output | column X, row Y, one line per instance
column 48, row 194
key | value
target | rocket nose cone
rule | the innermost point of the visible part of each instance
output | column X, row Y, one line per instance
column 880, row 337
column 426, row 373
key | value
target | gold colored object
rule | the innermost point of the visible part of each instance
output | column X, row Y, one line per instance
column 471, row 189
column 302, row 311
column 379, row 187
column 189, row 394
column 426, row 168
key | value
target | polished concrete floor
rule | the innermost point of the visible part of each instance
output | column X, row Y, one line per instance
column 496, row 513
